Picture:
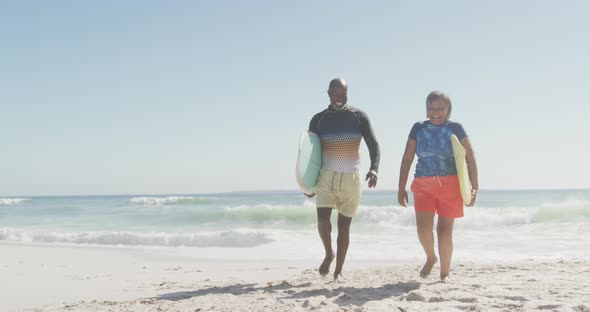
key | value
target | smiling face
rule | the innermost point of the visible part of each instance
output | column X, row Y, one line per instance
column 338, row 93
column 438, row 111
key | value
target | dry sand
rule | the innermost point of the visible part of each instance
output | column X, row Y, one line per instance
column 43, row 278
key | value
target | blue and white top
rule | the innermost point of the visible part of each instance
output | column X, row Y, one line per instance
column 434, row 149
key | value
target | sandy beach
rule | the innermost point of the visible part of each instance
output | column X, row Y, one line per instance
column 161, row 155
column 72, row 278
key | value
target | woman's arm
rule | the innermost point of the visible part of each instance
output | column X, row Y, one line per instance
column 472, row 168
column 404, row 171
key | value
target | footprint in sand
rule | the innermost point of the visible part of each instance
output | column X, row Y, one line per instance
column 469, row 308
column 549, row 306
column 510, row 306
column 415, row 296
column 465, row 300
column 582, row 308
column 515, row 298
column 513, row 306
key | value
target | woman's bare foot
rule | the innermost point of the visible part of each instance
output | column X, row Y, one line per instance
column 444, row 278
column 428, row 267
column 325, row 266
column 338, row 278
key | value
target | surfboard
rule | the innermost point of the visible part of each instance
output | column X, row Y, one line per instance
column 309, row 161
column 462, row 172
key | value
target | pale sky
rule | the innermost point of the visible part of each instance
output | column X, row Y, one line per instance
column 141, row 97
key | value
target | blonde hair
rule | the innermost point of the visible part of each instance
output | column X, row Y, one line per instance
column 437, row 95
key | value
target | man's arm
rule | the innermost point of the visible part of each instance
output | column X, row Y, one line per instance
column 313, row 124
column 371, row 141
column 373, row 146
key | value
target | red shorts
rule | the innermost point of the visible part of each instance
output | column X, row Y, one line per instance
column 440, row 194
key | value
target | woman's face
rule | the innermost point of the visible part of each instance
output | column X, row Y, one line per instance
column 438, row 112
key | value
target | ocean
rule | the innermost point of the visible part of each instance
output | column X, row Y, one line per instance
column 504, row 225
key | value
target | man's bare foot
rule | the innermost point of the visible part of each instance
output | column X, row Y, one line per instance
column 325, row 266
column 444, row 278
column 338, row 278
column 428, row 267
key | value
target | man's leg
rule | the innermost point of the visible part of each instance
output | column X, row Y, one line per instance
column 325, row 230
column 343, row 241
column 425, row 223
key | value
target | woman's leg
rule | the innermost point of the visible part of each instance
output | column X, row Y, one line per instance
column 425, row 223
column 444, row 231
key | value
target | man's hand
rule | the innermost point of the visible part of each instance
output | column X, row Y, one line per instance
column 312, row 195
column 402, row 198
column 372, row 178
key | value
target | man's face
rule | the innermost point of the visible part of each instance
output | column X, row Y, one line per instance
column 338, row 96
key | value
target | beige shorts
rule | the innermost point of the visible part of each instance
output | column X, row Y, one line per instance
column 341, row 191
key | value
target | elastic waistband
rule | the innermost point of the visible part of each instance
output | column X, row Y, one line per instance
column 439, row 179
column 445, row 177
column 336, row 178
column 334, row 172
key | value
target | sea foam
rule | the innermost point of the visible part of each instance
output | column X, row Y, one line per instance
column 235, row 239
column 13, row 201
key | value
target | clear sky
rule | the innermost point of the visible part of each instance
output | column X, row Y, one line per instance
column 136, row 97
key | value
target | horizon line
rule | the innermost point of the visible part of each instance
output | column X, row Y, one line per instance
column 274, row 191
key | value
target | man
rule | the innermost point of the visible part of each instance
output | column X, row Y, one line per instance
column 340, row 128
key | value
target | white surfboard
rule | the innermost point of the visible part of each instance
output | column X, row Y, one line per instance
column 309, row 161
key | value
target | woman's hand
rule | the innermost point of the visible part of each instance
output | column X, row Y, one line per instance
column 473, row 198
column 402, row 198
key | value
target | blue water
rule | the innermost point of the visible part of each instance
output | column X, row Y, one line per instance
column 518, row 224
